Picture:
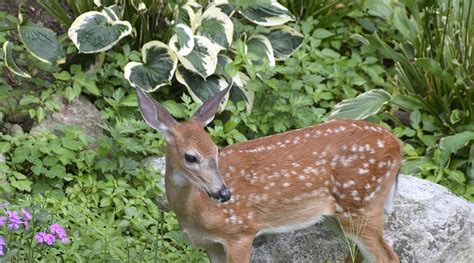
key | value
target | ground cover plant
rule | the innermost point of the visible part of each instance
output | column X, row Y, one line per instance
column 98, row 189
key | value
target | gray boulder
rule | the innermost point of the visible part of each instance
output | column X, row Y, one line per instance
column 79, row 112
column 427, row 223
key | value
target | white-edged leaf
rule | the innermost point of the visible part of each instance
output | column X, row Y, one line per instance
column 240, row 92
column 285, row 40
column 202, row 89
column 41, row 42
column 189, row 14
column 182, row 42
column 362, row 106
column 94, row 32
column 216, row 26
column 261, row 48
column 265, row 12
column 157, row 69
column 10, row 63
column 203, row 59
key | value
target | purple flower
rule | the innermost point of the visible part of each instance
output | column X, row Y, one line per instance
column 58, row 230
column 13, row 219
column 26, row 214
column 2, row 245
column 40, row 237
column 45, row 238
column 49, row 239
column 2, row 220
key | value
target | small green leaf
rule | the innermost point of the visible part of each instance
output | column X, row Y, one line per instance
column 322, row 33
column 455, row 142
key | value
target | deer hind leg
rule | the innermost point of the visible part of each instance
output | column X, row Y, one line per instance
column 366, row 231
column 216, row 253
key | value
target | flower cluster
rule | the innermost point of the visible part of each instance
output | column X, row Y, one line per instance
column 12, row 220
column 56, row 232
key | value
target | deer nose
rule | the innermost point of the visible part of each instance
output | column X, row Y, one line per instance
column 223, row 195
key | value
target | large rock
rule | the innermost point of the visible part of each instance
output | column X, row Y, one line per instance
column 427, row 223
column 79, row 112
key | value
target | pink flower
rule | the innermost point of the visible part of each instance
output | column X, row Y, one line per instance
column 58, row 230
column 40, row 237
column 2, row 220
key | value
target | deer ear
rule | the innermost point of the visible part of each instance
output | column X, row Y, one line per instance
column 153, row 113
column 205, row 114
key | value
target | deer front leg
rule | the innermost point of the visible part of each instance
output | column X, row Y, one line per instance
column 216, row 253
column 238, row 251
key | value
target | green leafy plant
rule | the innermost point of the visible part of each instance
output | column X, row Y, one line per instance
column 433, row 80
column 203, row 43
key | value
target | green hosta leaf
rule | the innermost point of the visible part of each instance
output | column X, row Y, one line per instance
column 41, row 42
column 217, row 27
column 203, row 59
column 94, row 32
column 239, row 91
column 455, row 142
column 10, row 63
column 156, row 71
column 284, row 40
column 202, row 89
column 362, row 106
column 263, row 12
column 260, row 47
column 182, row 42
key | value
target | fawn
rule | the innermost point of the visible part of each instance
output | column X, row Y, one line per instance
column 224, row 198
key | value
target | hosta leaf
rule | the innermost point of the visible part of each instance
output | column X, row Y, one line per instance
column 182, row 42
column 217, row 27
column 362, row 106
column 203, row 59
column 260, row 47
column 41, row 42
column 157, row 69
column 284, row 40
column 240, row 92
column 202, row 89
column 10, row 63
column 94, row 32
column 189, row 14
column 264, row 12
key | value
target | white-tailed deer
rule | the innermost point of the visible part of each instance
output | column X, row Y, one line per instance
column 224, row 198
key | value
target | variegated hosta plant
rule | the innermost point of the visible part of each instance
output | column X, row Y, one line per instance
column 204, row 42
column 38, row 40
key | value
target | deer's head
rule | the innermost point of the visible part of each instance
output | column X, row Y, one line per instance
column 191, row 151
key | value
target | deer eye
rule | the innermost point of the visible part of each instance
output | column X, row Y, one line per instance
column 190, row 158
